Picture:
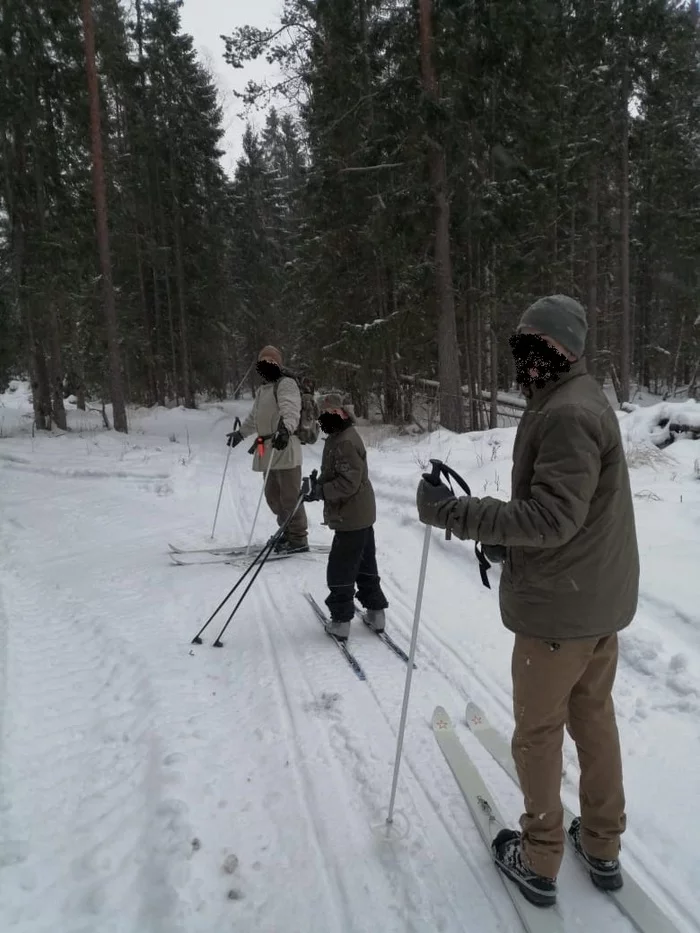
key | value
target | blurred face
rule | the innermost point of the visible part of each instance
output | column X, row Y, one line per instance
column 268, row 369
column 538, row 358
column 332, row 420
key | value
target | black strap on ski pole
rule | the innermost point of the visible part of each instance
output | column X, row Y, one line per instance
column 269, row 547
column 442, row 469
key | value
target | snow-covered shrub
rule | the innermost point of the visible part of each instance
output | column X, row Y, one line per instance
column 660, row 425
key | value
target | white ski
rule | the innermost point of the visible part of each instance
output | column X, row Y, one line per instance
column 631, row 899
column 488, row 820
column 213, row 549
column 227, row 557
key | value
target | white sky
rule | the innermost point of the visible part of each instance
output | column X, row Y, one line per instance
column 206, row 21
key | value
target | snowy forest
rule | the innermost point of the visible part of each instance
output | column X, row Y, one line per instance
column 419, row 173
column 336, row 596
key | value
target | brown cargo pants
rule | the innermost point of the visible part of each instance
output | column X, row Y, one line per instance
column 558, row 684
column 282, row 491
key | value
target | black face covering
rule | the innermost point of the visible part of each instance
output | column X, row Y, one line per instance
column 531, row 352
column 331, row 423
column 270, row 372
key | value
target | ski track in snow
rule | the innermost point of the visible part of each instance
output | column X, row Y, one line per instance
column 79, row 722
column 132, row 765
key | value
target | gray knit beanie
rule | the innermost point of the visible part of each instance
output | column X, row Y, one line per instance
column 561, row 318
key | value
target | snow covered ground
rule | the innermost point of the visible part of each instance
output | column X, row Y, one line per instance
column 135, row 769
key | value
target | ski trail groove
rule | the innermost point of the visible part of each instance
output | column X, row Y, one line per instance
column 339, row 903
column 80, row 726
column 427, row 803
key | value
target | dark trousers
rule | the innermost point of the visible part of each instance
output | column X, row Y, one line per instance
column 353, row 562
column 282, row 491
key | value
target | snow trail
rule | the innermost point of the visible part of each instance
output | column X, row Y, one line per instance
column 147, row 785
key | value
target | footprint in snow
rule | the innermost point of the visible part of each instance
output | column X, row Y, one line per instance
column 325, row 703
column 174, row 758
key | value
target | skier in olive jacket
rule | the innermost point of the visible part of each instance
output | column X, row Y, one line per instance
column 569, row 583
column 273, row 419
column 349, row 510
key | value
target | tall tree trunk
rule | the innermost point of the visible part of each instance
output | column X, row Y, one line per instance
column 149, row 328
column 41, row 395
column 57, row 406
column 572, row 250
column 625, row 336
column 493, row 343
column 187, row 390
column 116, row 384
column 451, row 403
column 592, row 272
column 41, row 386
column 163, row 250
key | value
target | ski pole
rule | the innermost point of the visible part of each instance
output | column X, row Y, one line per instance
column 197, row 640
column 411, row 655
column 438, row 469
column 262, row 493
column 268, row 549
column 240, row 384
column 236, row 426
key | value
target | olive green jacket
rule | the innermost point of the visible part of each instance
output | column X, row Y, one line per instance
column 572, row 564
column 348, row 495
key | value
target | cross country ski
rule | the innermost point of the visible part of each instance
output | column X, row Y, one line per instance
column 488, row 820
column 631, row 899
column 237, row 557
column 341, row 643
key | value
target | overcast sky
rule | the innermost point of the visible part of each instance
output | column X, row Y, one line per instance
column 206, row 21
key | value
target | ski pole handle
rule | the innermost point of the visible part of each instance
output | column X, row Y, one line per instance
column 442, row 469
column 434, row 477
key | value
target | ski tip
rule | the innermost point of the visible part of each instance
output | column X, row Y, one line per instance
column 474, row 715
column 441, row 719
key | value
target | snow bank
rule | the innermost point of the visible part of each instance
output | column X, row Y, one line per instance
column 661, row 424
column 15, row 408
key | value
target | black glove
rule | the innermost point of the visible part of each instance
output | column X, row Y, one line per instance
column 234, row 439
column 281, row 438
column 315, row 494
column 428, row 498
column 495, row 553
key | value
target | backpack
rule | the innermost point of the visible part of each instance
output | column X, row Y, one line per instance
column 309, row 428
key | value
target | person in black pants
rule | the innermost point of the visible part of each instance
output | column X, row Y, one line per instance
column 349, row 509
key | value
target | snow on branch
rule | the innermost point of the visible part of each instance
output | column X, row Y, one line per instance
column 369, row 168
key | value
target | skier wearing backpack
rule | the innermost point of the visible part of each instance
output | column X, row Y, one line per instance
column 349, row 510
column 278, row 418
column 570, row 583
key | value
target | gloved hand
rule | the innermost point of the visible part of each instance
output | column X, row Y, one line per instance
column 281, row 438
column 428, row 498
column 315, row 493
column 234, row 439
column 495, row 553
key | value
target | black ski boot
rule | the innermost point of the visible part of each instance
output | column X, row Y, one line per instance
column 287, row 547
column 606, row 874
column 540, row 891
